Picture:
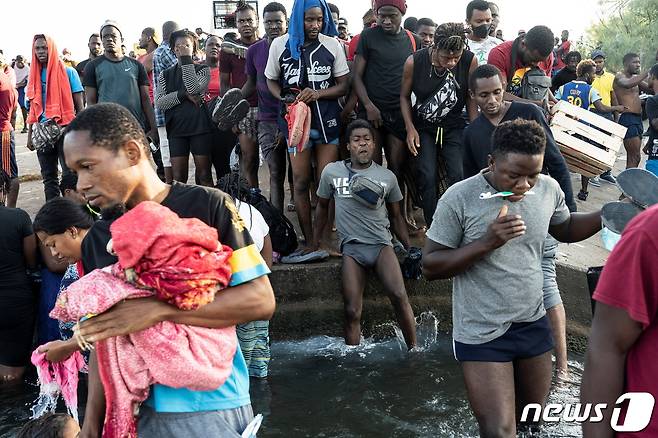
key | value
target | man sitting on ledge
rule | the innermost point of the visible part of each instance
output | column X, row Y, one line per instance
column 366, row 196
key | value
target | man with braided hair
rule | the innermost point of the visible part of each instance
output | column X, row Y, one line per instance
column 438, row 76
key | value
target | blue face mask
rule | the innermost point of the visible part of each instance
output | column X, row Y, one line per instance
column 609, row 238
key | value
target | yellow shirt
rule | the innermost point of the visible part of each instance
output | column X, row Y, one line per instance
column 603, row 85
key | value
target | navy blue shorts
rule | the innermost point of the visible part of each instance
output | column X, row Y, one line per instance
column 521, row 341
column 633, row 123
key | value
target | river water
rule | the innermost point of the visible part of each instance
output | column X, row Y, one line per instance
column 319, row 387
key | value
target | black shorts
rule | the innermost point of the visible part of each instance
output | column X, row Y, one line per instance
column 197, row 144
column 522, row 340
column 393, row 122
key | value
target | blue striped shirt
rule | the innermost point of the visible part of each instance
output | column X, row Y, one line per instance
column 163, row 58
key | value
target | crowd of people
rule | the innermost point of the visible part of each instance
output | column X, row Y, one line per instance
column 445, row 118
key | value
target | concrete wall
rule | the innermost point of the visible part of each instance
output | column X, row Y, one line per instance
column 309, row 302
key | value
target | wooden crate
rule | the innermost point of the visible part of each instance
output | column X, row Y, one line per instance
column 583, row 157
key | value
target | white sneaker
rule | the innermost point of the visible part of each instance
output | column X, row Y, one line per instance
column 596, row 182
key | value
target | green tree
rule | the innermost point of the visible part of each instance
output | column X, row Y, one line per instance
column 626, row 26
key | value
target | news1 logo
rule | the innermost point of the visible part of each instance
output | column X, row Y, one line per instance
column 638, row 412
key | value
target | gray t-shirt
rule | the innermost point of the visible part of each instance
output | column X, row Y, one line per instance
column 356, row 222
column 505, row 286
column 118, row 82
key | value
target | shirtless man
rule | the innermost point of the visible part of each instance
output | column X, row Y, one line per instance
column 627, row 86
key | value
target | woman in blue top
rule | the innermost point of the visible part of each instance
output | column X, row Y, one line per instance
column 309, row 65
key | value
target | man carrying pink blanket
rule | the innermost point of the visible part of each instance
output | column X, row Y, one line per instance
column 180, row 261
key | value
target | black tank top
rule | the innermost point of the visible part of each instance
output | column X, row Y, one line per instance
column 424, row 84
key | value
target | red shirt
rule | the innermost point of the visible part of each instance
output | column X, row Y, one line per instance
column 565, row 46
column 8, row 100
column 354, row 43
column 213, row 85
column 142, row 59
column 235, row 66
column 630, row 282
column 501, row 57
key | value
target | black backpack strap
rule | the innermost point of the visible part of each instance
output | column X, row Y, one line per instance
column 350, row 172
column 512, row 69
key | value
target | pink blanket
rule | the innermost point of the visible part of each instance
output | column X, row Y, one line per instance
column 170, row 354
column 57, row 378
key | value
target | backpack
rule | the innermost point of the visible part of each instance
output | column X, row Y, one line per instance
column 411, row 39
column 282, row 232
column 534, row 84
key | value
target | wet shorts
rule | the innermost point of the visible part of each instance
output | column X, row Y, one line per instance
column 249, row 125
column 268, row 134
column 634, row 124
column 197, row 144
column 8, row 154
column 522, row 340
column 315, row 138
column 228, row 423
column 364, row 254
column 551, row 291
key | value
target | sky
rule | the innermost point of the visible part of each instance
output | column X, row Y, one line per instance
column 70, row 26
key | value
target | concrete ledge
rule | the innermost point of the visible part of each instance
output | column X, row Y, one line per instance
column 309, row 302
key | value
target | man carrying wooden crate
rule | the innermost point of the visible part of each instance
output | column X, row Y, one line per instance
column 581, row 93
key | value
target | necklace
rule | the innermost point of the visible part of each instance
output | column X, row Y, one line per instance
column 437, row 73
column 435, row 68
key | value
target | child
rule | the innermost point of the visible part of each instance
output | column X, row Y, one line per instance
column 50, row 426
